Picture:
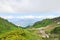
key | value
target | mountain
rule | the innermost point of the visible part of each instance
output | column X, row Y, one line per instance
column 9, row 31
column 47, row 29
column 6, row 26
column 23, row 22
column 42, row 23
column 46, row 22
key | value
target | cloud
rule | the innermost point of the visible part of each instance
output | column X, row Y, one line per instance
column 7, row 17
column 5, row 7
column 27, row 17
column 18, row 6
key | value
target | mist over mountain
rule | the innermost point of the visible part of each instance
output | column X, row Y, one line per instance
column 41, row 30
column 23, row 22
column 9, row 31
column 29, row 19
column 25, row 19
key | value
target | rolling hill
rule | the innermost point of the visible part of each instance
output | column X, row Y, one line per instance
column 47, row 29
column 9, row 31
column 46, row 22
column 6, row 26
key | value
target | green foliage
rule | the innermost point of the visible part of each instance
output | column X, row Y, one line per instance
column 46, row 22
column 13, row 35
column 6, row 26
column 57, row 19
column 9, row 31
column 19, row 34
column 56, row 30
column 43, row 23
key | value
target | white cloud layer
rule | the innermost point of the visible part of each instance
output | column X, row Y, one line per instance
column 27, row 17
column 15, row 6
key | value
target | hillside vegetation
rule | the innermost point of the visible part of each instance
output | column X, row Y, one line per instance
column 9, row 31
column 6, row 26
column 43, row 23
column 47, row 29
column 46, row 22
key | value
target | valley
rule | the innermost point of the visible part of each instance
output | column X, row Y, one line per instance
column 47, row 29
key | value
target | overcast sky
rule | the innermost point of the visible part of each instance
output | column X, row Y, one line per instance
column 18, row 6
column 29, row 8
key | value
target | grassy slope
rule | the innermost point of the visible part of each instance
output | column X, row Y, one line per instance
column 6, row 26
column 43, row 23
column 19, row 34
column 9, row 31
column 46, row 22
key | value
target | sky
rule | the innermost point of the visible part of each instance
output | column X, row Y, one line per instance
column 29, row 10
column 25, row 19
column 29, row 15
column 23, row 6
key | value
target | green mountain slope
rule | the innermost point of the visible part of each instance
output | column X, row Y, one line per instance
column 43, row 23
column 56, row 30
column 9, row 31
column 6, row 26
column 49, row 27
column 46, row 22
column 19, row 35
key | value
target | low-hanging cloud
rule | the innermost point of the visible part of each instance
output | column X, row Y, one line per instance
column 17, row 6
column 27, row 17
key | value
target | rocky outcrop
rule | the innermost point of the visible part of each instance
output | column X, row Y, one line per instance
column 43, row 33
